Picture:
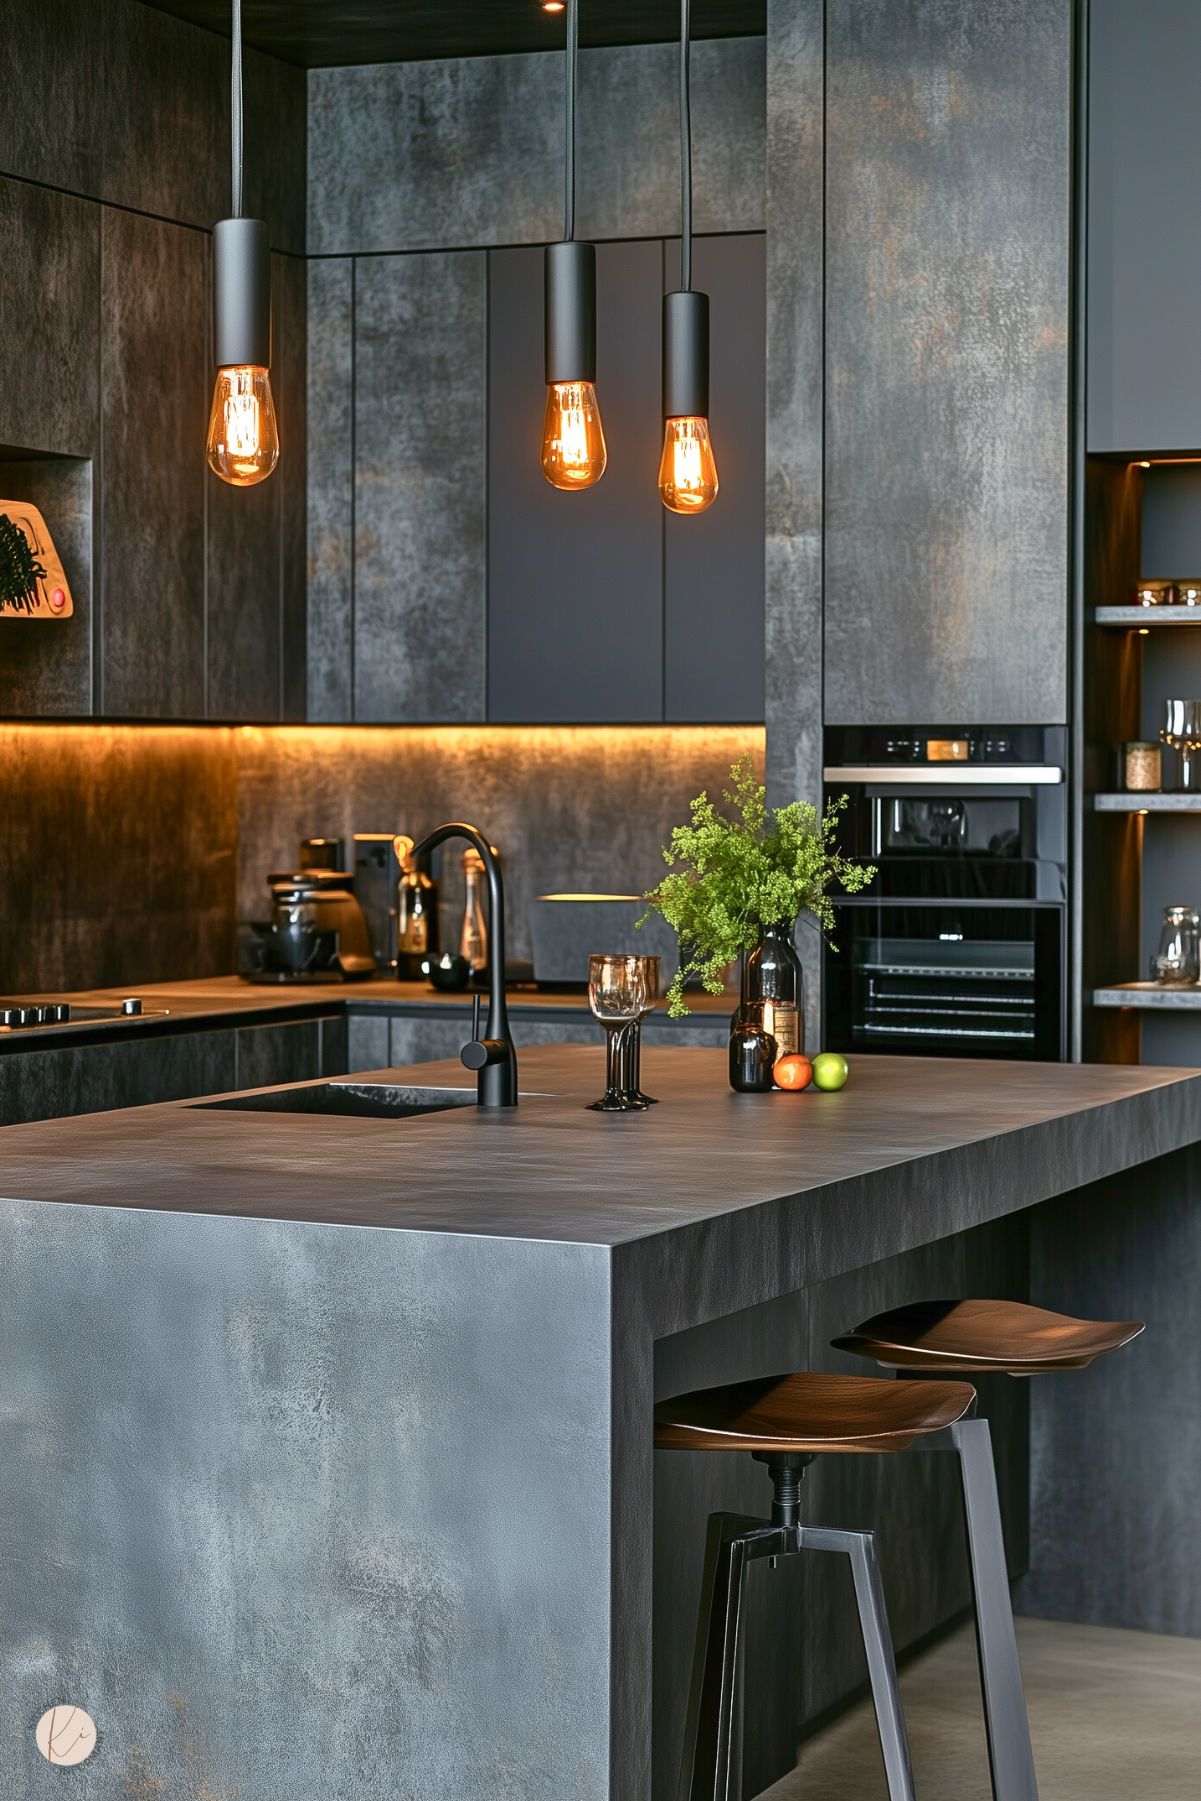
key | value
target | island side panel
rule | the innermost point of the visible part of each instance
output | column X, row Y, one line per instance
column 303, row 1509
column 1116, row 1448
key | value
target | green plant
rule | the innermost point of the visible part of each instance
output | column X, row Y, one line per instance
column 20, row 571
column 743, row 870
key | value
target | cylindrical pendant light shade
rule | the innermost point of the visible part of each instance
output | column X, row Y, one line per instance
column 686, row 355
column 241, row 293
column 570, row 286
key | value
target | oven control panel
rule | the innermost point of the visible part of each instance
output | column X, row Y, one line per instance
column 936, row 745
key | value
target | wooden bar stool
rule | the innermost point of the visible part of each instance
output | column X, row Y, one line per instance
column 785, row 1422
column 956, row 1338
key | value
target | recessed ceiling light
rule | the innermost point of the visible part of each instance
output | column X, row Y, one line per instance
column 553, row 6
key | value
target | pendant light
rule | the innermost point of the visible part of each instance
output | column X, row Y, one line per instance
column 243, row 439
column 687, row 472
column 573, row 442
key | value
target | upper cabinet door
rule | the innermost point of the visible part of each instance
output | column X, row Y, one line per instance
column 1144, row 251
column 948, row 232
column 575, row 581
column 420, row 389
column 713, row 564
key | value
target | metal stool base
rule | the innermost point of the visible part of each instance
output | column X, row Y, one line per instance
column 712, row 1764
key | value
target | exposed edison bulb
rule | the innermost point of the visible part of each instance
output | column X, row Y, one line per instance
column 573, row 441
column 687, row 472
column 243, row 440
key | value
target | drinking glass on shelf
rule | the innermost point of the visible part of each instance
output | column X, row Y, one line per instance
column 1181, row 729
column 1177, row 962
column 632, row 1052
column 618, row 998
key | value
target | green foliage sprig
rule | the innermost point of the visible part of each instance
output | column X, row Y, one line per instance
column 20, row 571
column 743, row 870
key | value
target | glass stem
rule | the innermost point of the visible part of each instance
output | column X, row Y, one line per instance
column 616, row 1056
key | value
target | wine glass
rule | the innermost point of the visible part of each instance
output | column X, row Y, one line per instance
column 618, row 998
column 1181, row 729
column 632, row 1050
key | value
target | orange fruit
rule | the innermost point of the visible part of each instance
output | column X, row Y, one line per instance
column 793, row 1071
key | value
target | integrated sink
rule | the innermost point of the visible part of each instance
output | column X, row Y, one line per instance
column 353, row 1100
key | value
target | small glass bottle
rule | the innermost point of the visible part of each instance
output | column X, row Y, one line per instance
column 1176, row 963
column 753, row 1051
column 473, row 939
column 772, row 978
column 416, row 915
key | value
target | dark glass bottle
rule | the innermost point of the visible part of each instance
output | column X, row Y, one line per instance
column 753, row 1052
column 772, row 979
column 416, row 916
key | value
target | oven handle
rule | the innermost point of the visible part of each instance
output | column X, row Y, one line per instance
column 995, row 775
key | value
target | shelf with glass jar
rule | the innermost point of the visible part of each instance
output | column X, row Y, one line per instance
column 1175, row 973
column 1145, row 995
column 1143, row 618
column 1136, row 800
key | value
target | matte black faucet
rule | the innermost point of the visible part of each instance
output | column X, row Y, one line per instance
column 493, row 1057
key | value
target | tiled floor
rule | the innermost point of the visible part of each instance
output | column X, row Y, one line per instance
column 1115, row 1716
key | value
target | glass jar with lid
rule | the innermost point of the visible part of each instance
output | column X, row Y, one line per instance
column 1177, row 962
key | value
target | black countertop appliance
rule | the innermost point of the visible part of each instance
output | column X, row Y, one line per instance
column 958, row 947
column 316, row 932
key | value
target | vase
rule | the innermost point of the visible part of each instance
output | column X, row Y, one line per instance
column 772, row 980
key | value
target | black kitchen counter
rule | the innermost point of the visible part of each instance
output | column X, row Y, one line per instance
column 220, row 1001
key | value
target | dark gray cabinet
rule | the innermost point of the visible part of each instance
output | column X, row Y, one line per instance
column 575, row 630
column 947, row 358
column 601, row 606
column 113, row 165
column 53, row 1083
column 1144, row 254
column 713, row 569
column 420, row 401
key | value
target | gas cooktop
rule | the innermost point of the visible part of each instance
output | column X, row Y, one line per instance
column 21, row 1016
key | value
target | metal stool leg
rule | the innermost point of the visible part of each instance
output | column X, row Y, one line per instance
column 860, row 1547
column 1010, row 1756
column 711, row 1768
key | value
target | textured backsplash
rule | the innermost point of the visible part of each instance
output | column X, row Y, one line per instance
column 582, row 808
column 128, row 853
column 117, row 854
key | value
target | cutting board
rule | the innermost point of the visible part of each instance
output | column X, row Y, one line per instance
column 32, row 586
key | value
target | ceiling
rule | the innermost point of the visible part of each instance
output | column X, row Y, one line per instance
column 321, row 33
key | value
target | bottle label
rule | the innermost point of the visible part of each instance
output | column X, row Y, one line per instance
column 415, row 938
column 783, row 1021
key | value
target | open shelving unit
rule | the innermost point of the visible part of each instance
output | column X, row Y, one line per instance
column 1140, row 851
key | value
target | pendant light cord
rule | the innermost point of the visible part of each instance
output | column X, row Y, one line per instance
column 573, row 52
column 685, row 155
column 235, row 106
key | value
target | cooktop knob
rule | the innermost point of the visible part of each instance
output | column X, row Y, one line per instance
column 131, row 1006
column 41, row 1015
column 11, row 1016
column 60, row 1012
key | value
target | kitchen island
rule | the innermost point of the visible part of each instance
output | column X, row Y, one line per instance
column 327, row 1461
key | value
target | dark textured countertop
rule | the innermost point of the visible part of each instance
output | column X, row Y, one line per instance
column 225, row 1000
column 923, row 1146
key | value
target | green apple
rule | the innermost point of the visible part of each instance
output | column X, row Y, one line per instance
column 830, row 1071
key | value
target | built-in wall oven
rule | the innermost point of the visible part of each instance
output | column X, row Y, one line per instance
column 958, row 948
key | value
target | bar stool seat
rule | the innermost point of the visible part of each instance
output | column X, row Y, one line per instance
column 811, row 1414
column 785, row 1422
column 941, row 1338
column 1007, row 1336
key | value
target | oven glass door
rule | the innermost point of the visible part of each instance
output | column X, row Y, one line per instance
column 951, row 979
